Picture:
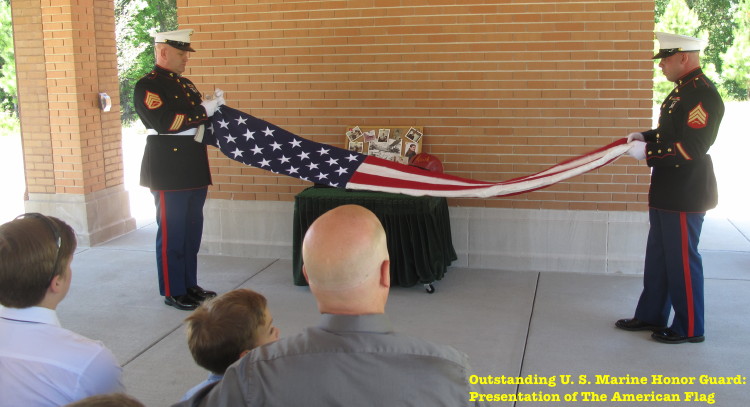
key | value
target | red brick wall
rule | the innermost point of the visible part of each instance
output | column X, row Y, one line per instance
column 32, row 95
column 503, row 89
column 65, row 56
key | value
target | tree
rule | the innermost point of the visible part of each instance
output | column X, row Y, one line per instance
column 675, row 18
column 717, row 18
column 737, row 57
column 720, row 22
column 8, row 87
column 135, row 20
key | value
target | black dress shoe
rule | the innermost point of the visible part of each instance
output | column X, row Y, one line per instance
column 670, row 336
column 182, row 302
column 632, row 324
column 198, row 294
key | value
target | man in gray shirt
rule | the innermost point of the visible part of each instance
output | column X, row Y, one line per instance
column 353, row 357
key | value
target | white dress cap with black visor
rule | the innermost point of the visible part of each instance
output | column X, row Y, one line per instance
column 179, row 39
column 670, row 44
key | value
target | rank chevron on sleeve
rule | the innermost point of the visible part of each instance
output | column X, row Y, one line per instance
column 152, row 100
column 698, row 117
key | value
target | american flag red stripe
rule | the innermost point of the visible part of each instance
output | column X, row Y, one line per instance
column 386, row 176
column 258, row 143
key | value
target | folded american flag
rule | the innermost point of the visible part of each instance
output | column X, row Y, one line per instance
column 260, row 144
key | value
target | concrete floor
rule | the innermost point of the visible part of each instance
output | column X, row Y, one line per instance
column 509, row 323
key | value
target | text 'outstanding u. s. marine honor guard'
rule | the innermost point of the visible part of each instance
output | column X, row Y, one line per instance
column 175, row 166
column 683, row 187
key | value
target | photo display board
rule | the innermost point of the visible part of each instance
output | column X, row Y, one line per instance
column 396, row 144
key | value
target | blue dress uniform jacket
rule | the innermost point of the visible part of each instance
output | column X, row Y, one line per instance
column 170, row 103
column 682, row 177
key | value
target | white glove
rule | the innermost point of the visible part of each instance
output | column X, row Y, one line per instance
column 220, row 101
column 211, row 105
column 638, row 150
column 218, row 93
column 635, row 136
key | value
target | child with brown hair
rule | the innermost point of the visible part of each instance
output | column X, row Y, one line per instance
column 223, row 329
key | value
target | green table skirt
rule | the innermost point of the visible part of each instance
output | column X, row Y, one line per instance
column 418, row 230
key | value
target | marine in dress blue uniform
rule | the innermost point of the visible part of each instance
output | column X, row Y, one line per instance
column 683, row 187
column 175, row 167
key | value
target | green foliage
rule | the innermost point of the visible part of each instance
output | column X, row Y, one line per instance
column 737, row 57
column 9, row 124
column 725, row 58
column 135, row 20
column 659, row 8
column 716, row 17
column 675, row 18
column 8, row 90
column 678, row 18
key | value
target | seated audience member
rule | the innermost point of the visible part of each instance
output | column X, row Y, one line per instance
column 353, row 357
column 225, row 328
column 107, row 400
column 41, row 363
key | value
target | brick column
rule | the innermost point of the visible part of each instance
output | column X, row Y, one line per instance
column 65, row 56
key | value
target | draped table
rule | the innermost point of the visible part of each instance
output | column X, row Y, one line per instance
column 417, row 229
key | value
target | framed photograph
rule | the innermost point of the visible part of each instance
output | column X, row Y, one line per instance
column 354, row 133
column 414, row 135
column 410, row 149
column 395, row 143
column 370, row 136
column 356, row 146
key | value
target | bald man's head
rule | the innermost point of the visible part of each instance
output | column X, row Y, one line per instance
column 344, row 252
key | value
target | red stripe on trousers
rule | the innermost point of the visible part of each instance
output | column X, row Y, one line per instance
column 164, row 259
column 686, row 273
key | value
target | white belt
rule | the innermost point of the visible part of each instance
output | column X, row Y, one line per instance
column 188, row 132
